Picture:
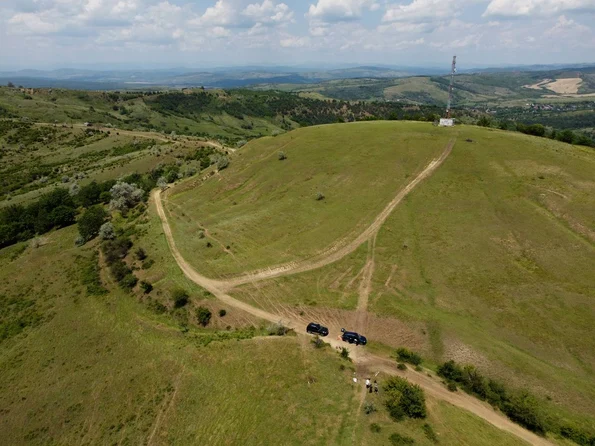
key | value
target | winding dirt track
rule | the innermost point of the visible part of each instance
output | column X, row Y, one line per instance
column 431, row 385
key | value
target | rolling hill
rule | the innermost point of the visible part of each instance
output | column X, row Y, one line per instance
column 467, row 243
column 489, row 261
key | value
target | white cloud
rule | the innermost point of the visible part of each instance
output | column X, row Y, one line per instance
column 268, row 12
column 422, row 11
column 340, row 10
column 221, row 14
column 521, row 8
column 294, row 42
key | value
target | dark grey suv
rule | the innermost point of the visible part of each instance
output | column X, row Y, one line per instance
column 318, row 329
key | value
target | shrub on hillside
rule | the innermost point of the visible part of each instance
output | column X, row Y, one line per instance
column 521, row 407
column 107, row 231
column 320, row 196
column 405, row 355
column 429, row 432
column 180, row 297
column 345, row 353
column 116, row 249
column 125, row 196
column 400, row 440
column 404, row 399
column 277, row 329
column 369, row 408
column 222, row 162
column 203, row 316
column 91, row 222
column 146, row 287
column 222, row 313
column 140, row 254
column 282, row 156
column 374, row 427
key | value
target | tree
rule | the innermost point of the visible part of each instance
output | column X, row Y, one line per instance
column 484, row 121
column 162, row 183
column 146, row 287
column 203, row 316
column 179, row 297
column 565, row 136
column 74, row 189
column 222, row 162
column 91, row 221
column 107, row 231
column 404, row 399
column 125, row 196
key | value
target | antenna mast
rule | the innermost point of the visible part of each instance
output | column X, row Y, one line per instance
column 450, row 88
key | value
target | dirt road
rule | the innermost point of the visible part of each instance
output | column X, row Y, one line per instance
column 432, row 385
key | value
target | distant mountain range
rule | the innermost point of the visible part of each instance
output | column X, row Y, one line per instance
column 230, row 77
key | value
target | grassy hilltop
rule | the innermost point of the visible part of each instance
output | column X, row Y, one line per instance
column 267, row 209
column 490, row 261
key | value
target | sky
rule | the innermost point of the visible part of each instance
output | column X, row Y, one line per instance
column 209, row 33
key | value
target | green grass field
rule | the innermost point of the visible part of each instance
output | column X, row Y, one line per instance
column 83, row 369
column 489, row 261
column 266, row 210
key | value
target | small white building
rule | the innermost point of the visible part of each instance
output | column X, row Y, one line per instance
column 446, row 122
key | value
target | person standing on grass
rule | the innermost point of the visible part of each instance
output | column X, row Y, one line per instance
column 375, row 387
column 368, row 383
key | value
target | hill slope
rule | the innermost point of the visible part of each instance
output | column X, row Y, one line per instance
column 489, row 261
column 266, row 209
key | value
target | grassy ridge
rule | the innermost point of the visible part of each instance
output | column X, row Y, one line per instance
column 104, row 369
column 488, row 262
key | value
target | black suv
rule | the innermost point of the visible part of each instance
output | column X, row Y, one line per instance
column 353, row 338
column 317, row 329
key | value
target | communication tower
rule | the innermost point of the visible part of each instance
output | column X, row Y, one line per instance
column 448, row 121
column 451, row 86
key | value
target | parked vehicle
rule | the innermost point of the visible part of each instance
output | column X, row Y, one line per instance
column 318, row 329
column 353, row 337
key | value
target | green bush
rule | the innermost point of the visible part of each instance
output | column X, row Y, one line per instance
column 318, row 342
column 179, row 297
column 429, row 432
column 400, row 440
column 282, row 156
column 156, row 306
column 404, row 399
column 344, row 353
column 521, row 407
column 222, row 313
column 203, row 316
column 140, row 254
column 369, row 408
column 451, row 386
column 146, row 287
column 91, row 278
column 401, row 366
column 406, row 355
column 374, row 427
column 277, row 329
column 128, row 281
